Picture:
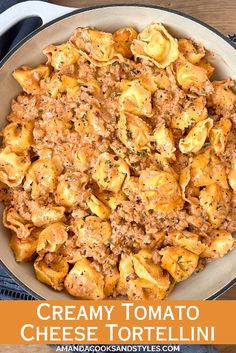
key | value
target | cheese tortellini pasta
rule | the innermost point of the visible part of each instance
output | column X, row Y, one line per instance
column 156, row 44
column 118, row 164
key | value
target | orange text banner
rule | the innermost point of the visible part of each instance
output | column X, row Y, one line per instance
column 117, row 322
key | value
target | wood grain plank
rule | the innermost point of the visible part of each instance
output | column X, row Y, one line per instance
column 220, row 15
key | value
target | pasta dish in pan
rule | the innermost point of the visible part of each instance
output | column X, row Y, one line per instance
column 118, row 164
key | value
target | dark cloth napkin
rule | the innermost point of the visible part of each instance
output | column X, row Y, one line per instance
column 9, row 289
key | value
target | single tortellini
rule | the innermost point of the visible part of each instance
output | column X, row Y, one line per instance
column 191, row 51
column 184, row 179
column 13, row 221
column 232, row 174
column 206, row 169
column 24, row 249
column 194, row 111
column 123, row 38
column 164, row 142
column 51, row 270
column 44, row 215
column 218, row 135
column 223, row 97
column 13, row 166
column 156, row 44
column 111, row 172
column 133, row 132
column 215, row 201
column 146, row 269
column 52, row 237
column 61, row 55
column 160, row 191
column 192, row 77
column 70, row 185
column 30, row 79
column 188, row 240
column 93, row 236
column 179, row 262
column 196, row 137
column 18, row 135
column 126, row 270
column 140, row 278
column 96, row 46
column 84, row 281
column 135, row 98
column 98, row 207
column 42, row 177
column 221, row 243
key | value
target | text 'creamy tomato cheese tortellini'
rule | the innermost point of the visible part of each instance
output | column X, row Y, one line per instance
column 193, row 112
column 13, row 166
column 61, row 55
column 218, row 135
column 215, row 201
column 30, row 79
column 191, row 51
column 110, row 172
column 84, row 281
column 188, row 240
column 24, row 249
column 51, row 271
column 43, row 215
column 98, row 207
column 52, row 237
column 196, row 137
column 42, row 177
column 17, row 224
column 232, row 174
column 207, row 169
column 133, row 132
column 192, row 77
column 135, row 98
column 123, row 38
column 96, row 46
column 156, row 44
column 179, row 262
column 18, row 136
column 160, row 191
column 164, row 141
column 221, row 243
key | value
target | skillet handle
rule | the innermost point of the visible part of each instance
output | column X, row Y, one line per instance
column 23, row 10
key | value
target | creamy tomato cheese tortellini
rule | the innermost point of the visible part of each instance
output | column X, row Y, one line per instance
column 118, row 163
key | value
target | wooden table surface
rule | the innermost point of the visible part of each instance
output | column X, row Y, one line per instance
column 222, row 16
